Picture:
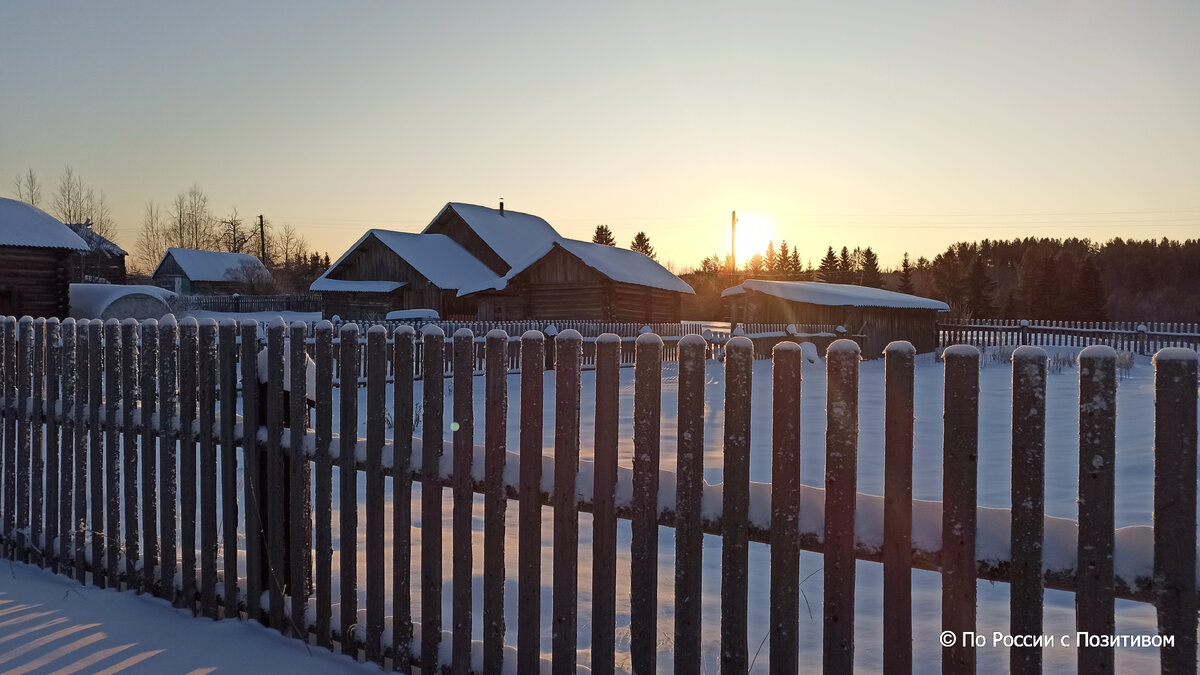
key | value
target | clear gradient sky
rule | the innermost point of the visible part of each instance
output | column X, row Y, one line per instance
column 901, row 126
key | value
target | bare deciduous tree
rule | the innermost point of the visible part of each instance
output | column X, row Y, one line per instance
column 234, row 235
column 75, row 203
column 152, row 241
column 191, row 224
column 27, row 187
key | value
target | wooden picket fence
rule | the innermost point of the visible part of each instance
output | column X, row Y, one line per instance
column 114, row 431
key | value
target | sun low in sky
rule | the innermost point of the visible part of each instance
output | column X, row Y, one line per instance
column 899, row 126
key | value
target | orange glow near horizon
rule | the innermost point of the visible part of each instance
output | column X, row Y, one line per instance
column 754, row 231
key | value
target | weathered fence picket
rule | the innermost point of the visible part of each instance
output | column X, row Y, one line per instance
column 739, row 371
column 568, row 348
column 1094, row 598
column 529, row 560
column 462, row 434
column 899, row 365
column 138, row 429
column 784, row 618
column 841, row 490
column 1028, row 503
column 604, row 517
column 960, row 462
column 495, row 501
column 643, row 547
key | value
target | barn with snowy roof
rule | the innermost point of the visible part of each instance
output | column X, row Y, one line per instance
column 189, row 271
column 496, row 264
column 35, row 248
column 877, row 315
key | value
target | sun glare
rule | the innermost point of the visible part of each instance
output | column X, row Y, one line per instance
column 753, row 233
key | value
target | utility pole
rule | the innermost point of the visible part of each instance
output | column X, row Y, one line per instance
column 262, row 240
column 733, row 246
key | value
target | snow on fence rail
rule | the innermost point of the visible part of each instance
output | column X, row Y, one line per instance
column 1144, row 338
column 90, row 404
column 291, row 302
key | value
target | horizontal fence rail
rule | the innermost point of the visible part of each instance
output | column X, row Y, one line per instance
column 155, row 410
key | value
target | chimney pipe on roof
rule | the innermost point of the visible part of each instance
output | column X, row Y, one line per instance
column 502, row 206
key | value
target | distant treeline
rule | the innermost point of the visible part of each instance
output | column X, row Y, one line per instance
column 1030, row 278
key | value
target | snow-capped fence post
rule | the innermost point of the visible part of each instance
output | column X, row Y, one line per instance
column 376, row 367
column 604, row 518
column 735, row 496
column 227, row 364
column 1175, row 382
column 37, row 467
column 960, row 461
column 899, row 364
column 494, row 501
column 348, row 369
column 689, row 533
column 66, row 465
column 529, row 560
column 323, row 472
column 95, row 468
column 271, row 473
column 24, row 448
column 252, row 479
column 841, row 487
column 643, row 547
column 1094, row 599
column 147, row 384
column 1028, row 502
column 298, row 535
column 82, row 410
column 168, row 432
column 433, row 342
column 112, row 451
column 189, row 346
column 207, row 397
column 9, row 361
column 402, row 434
column 130, row 449
column 569, row 353
column 463, row 432
column 784, row 620
column 53, row 444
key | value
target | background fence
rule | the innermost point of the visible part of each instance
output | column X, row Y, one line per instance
column 113, row 433
column 1143, row 338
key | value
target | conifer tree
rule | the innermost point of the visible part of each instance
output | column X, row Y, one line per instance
column 829, row 267
column 870, row 277
column 783, row 259
column 770, row 261
column 641, row 244
column 906, row 284
column 604, row 236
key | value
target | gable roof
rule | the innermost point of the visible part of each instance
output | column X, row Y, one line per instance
column 435, row 256
column 23, row 224
column 511, row 235
column 618, row 264
column 96, row 243
column 835, row 295
column 211, row 265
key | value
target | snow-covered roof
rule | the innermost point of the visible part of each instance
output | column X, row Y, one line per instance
column 108, row 301
column 23, row 224
column 618, row 264
column 212, row 265
column 410, row 314
column 435, row 256
column 511, row 235
column 835, row 295
column 324, row 283
column 96, row 242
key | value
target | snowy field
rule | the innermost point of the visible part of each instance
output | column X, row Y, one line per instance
column 1133, row 506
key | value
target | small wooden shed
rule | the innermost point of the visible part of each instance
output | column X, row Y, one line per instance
column 189, row 271
column 34, row 268
column 385, row 271
column 878, row 315
column 569, row 279
column 104, row 261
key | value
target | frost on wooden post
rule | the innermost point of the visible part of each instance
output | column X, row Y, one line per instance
column 310, row 371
